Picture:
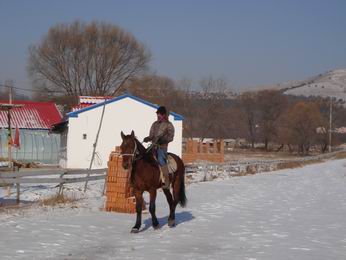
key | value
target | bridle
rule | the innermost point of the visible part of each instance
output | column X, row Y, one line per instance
column 133, row 155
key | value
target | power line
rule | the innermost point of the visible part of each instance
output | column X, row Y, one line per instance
column 31, row 90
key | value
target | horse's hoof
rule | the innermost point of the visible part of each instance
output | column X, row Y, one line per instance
column 171, row 222
column 156, row 227
column 134, row 230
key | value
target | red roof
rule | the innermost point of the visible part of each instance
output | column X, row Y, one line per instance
column 33, row 115
column 87, row 101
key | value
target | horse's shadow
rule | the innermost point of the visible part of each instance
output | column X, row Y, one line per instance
column 180, row 217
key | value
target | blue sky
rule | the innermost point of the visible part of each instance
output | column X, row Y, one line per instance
column 249, row 43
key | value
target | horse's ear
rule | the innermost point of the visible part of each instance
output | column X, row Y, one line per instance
column 133, row 134
column 122, row 135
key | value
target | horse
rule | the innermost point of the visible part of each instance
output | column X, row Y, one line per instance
column 145, row 176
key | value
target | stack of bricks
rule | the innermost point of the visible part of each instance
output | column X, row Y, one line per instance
column 119, row 193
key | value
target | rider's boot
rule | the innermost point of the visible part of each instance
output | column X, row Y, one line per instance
column 165, row 176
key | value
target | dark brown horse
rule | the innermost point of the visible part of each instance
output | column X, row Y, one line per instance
column 145, row 176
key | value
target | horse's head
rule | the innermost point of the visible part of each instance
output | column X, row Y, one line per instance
column 128, row 149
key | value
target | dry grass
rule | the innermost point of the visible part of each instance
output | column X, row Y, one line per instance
column 341, row 155
column 58, row 199
column 240, row 174
column 3, row 185
column 289, row 165
column 257, row 154
column 292, row 165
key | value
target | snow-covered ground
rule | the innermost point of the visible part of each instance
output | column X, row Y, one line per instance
column 288, row 214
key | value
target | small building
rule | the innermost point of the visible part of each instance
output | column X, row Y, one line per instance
column 33, row 120
column 124, row 113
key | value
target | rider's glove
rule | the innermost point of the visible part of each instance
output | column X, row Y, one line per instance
column 146, row 139
column 160, row 141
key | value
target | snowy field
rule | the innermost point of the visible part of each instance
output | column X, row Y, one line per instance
column 288, row 214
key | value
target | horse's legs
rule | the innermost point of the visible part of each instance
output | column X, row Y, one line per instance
column 172, row 206
column 139, row 206
column 152, row 208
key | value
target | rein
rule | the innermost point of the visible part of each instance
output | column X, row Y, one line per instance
column 136, row 155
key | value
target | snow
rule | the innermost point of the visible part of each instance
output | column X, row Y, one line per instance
column 288, row 214
column 332, row 83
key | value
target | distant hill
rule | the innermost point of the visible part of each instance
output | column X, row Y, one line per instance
column 331, row 83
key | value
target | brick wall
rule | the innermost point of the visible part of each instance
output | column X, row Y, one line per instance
column 212, row 152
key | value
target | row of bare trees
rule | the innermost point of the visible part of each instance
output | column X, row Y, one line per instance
column 267, row 117
column 103, row 59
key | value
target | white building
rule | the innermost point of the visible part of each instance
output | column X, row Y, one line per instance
column 124, row 113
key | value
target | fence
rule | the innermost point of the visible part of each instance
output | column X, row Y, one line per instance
column 212, row 152
column 47, row 176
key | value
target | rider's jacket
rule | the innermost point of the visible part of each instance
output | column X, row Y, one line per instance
column 162, row 132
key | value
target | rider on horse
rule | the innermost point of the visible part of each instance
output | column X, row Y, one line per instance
column 162, row 133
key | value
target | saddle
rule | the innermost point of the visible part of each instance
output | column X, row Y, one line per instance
column 172, row 164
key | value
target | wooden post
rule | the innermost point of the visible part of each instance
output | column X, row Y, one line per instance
column 17, row 184
column 9, row 130
column 9, row 145
column 330, row 124
column 18, row 193
column 9, row 138
column 95, row 144
column 61, row 184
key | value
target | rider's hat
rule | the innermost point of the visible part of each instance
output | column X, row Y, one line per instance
column 161, row 110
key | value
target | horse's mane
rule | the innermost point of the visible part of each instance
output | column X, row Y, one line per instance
column 144, row 154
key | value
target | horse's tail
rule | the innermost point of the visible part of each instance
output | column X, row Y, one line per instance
column 182, row 195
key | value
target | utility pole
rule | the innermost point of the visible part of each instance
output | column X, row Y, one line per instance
column 330, row 124
column 9, row 130
column 7, row 108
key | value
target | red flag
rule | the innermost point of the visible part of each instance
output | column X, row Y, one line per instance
column 16, row 142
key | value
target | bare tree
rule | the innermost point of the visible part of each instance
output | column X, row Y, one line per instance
column 248, row 107
column 154, row 88
column 186, row 105
column 86, row 59
column 212, row 107
column 302, row 122
column 271, row 104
